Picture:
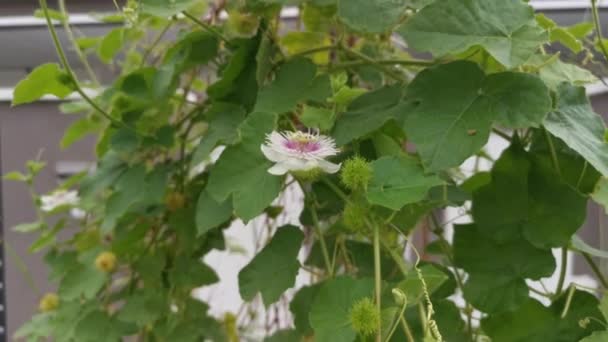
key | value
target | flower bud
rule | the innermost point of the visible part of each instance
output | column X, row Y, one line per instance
column 175, row 201
column 356, row 173
column 364, row 317
column 49, row 302
column 106, row 262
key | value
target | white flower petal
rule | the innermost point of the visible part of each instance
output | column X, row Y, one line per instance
column 278, row 169
column 328, row 166
column 272, row 155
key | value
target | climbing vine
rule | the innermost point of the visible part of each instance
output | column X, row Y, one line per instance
column 372, row 118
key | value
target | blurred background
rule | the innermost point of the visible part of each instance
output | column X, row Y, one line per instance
column 28, row 130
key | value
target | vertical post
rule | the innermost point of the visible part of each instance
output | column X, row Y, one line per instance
column 3, row 327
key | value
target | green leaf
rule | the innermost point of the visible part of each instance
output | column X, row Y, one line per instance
column 29, row 227
column 492, row 293
column 532, row 322
column 603, row 307
column 223, row 124
column 566, row 38
column 555, row 212
column 238, row 83
column 143, row 307
column 597, row 336
column 557, row 72
column 295, row 81
column 242, row 172
column 89, row 328
column 284, row 336
column 454, row 26
column 497, row 281
column 412, row 286
column 320, row 118
column 44, row 80
column 398, row 181
column 369, row 112
column 165, row 8
column 446, row 132
column 295, row 42
column 130, row 189
column 330, row 312
column 600, row 193
column 386, row 14
column 300, row 307
column 517, row 257
column 581, row 30
column 194, row 49
column 82, row 280
column 190, row 273
column 78, row 130
column 575, row 122
column 210, row 213
column 111, row 44
column 39, row 328
column 501, row 206
column 16, row 177
column 520, row 100
column 273, row 270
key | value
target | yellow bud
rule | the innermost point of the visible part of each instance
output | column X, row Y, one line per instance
column 49, row 302
column 106, row 262
column 175, row 201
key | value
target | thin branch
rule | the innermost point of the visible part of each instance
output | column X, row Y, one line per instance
column 207, row 27
column 72, row 39
column 370, row 61
column 68, row 69
column 562, row 272
column 598, row 27
column 595, row 269
column 312, row 51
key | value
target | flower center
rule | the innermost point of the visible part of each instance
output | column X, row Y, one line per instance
column 303, row 143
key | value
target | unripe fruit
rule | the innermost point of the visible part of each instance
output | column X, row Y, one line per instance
column 106, row 262
column 364, row 317
column 175, row 201
column 49, row 302
column 356, row 173
column 354, row 215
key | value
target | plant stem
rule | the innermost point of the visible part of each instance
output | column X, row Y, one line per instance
column 374, row 63
column 553, row 153
column 207, row 27
column 396, row 257
column 396, row 324
column 377, row 278
column 70, row 35
column 562, row 272
column 319, row 233
column 595, row 269
column 353, row 64
column 335, row 189
column 157, row 40
column 22, row 266
column 68, row 69
column 313, row 50
column 407, row 330
column 598, row 27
